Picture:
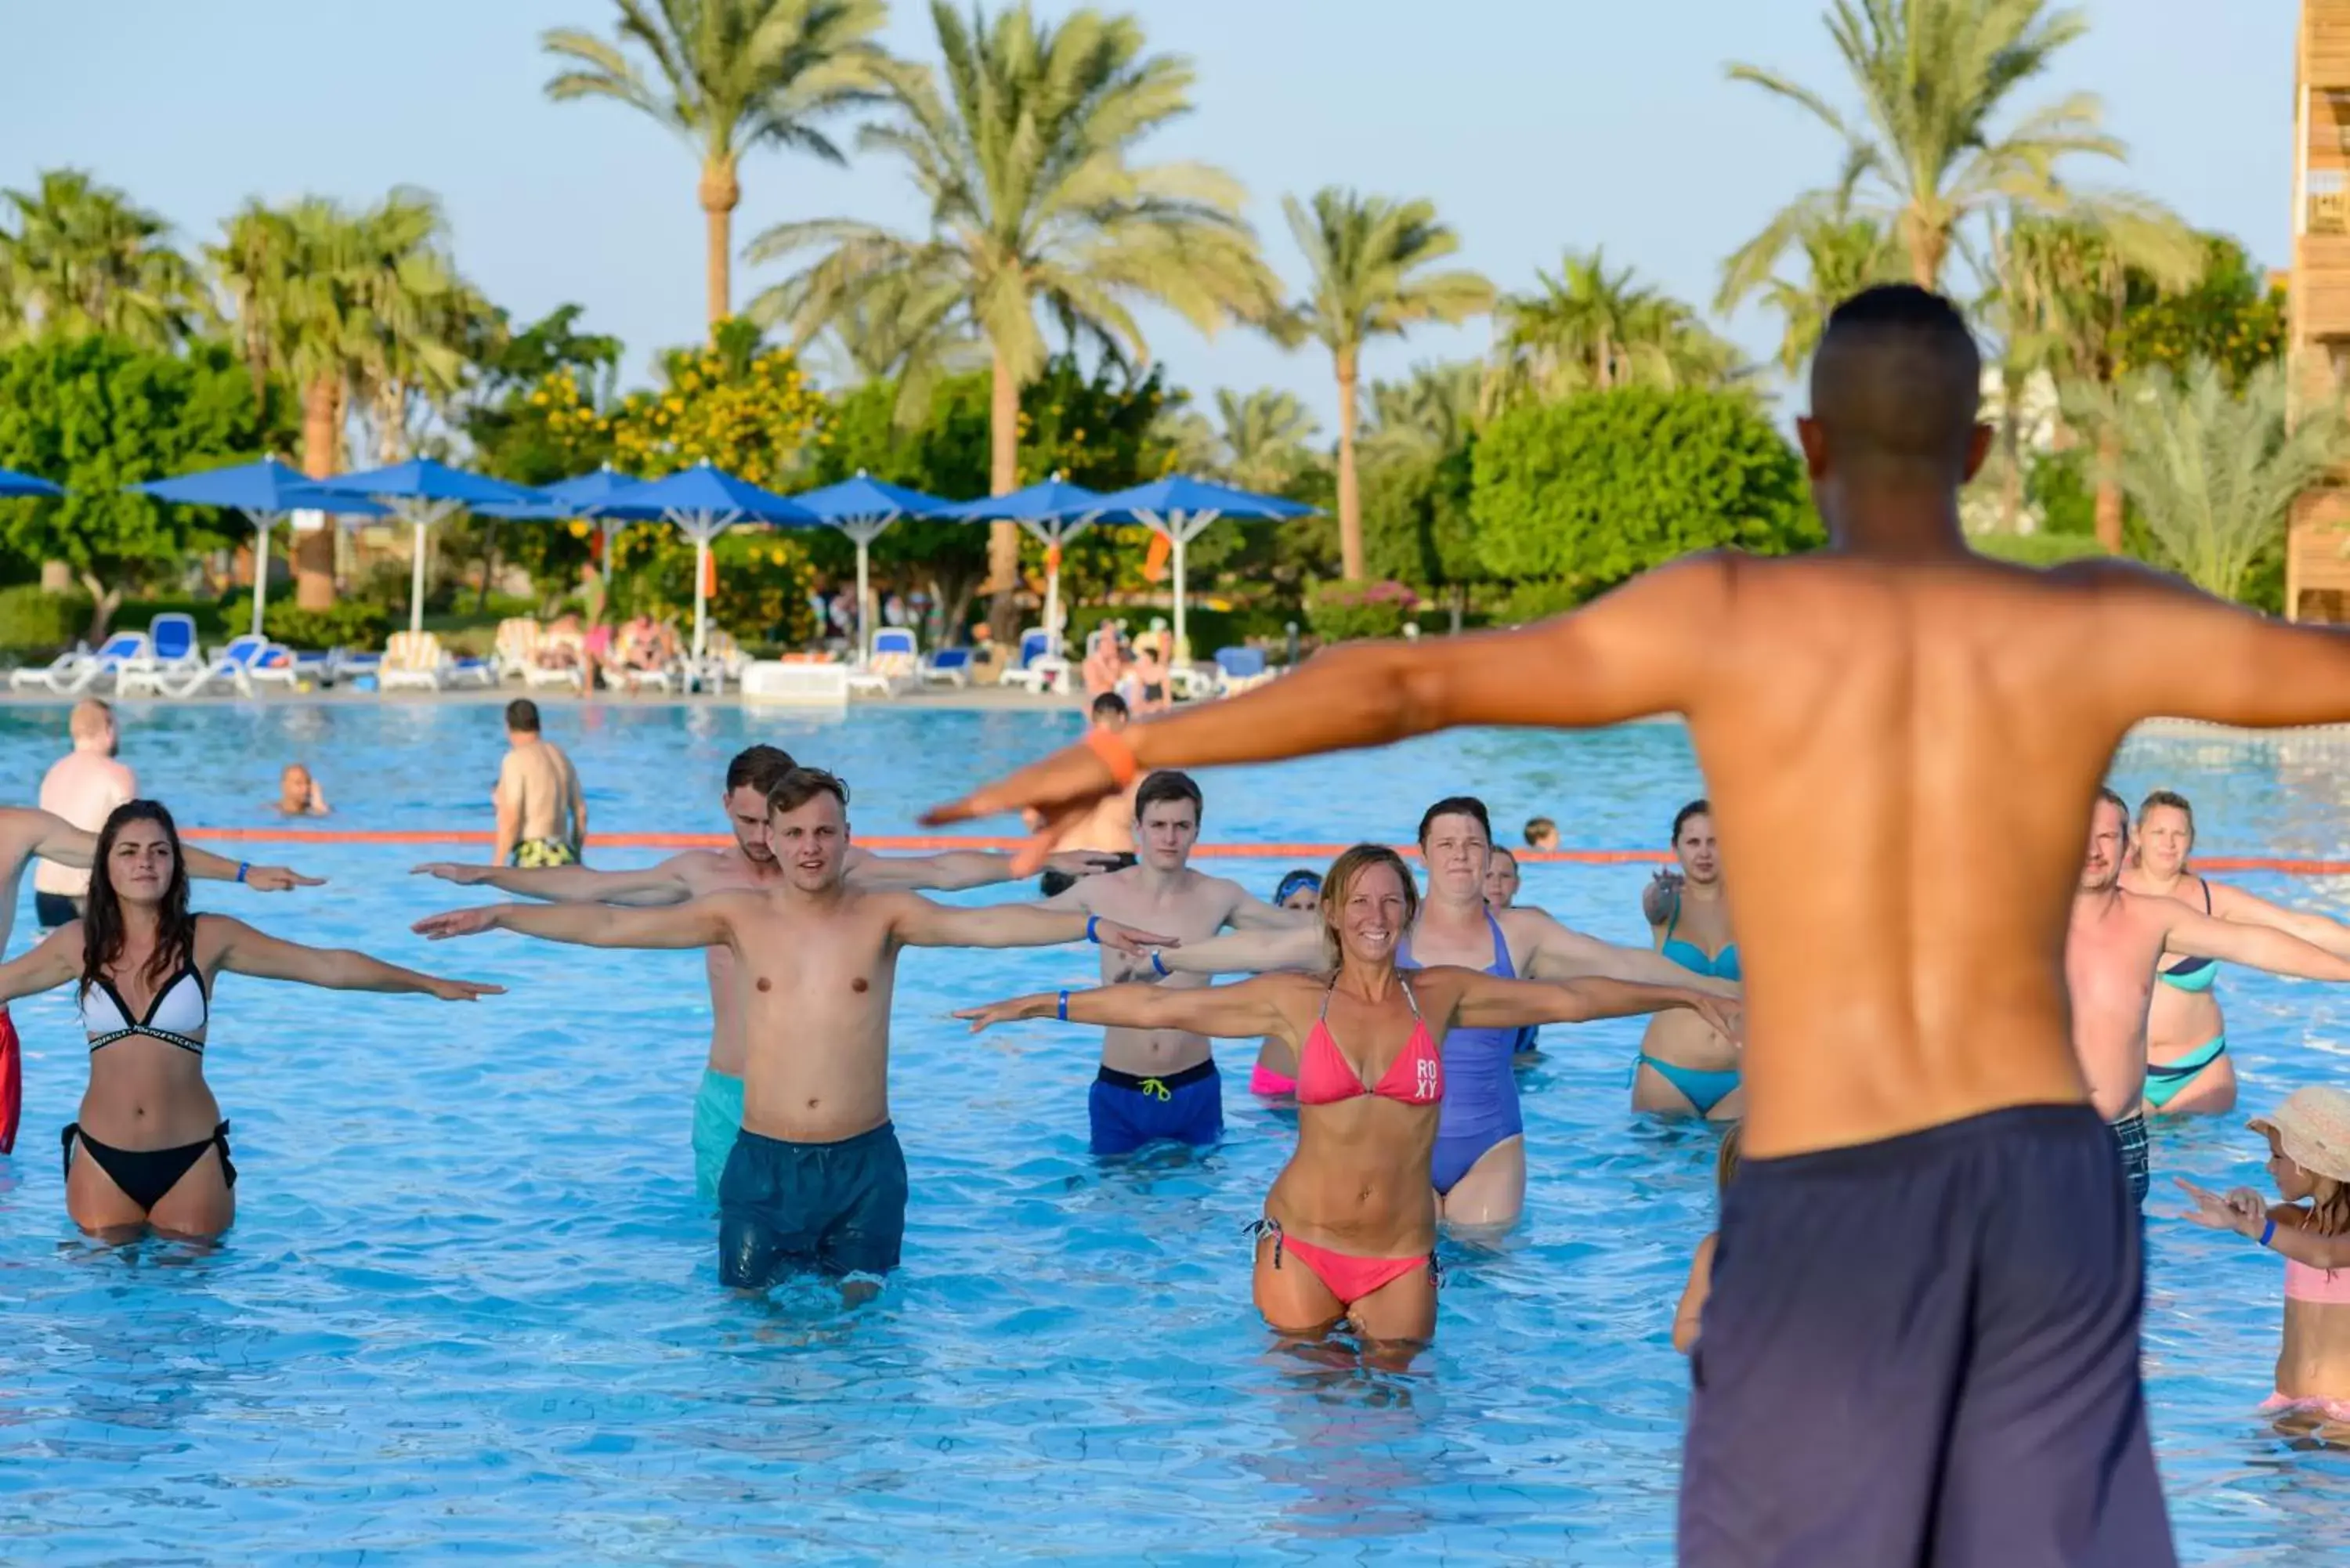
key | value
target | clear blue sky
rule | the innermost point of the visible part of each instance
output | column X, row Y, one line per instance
column 1533, row 124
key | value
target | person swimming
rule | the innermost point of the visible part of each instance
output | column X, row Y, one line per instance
column 1275, row 1074
column 1685, row 1069
column 2187, row 1069
column 1689, row 1316
column 154, row 1143
column 1348, row 1233
column 2309, row 1160
column 1501, row 891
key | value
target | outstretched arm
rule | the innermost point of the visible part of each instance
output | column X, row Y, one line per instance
column 53, row 838
column 51, row 962
column 954, row 871
column 2243, row 1212
column 1562, row 954
column 645, row 887
column 2182, row 653
column 1489, row 1001
column 1247, row 1011
column 2246, row 908
column 2193, row 934
column 700, row 923
column 244, row 951
column 1248, row 952
column 918, row 923
column 1624, row 656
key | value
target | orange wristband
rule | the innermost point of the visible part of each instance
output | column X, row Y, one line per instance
column 1115, row 754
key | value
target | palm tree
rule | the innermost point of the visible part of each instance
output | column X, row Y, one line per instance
column 2063, row 289
column 1842, row 254
column 1369, row 257
column 347, row 307
column 1586, row 329
column 1932, row 76
column 1434, row 411
column 1258, row 440
column 2214, row 472
column 1023, row 161
column 911, row 330
column 733, row 75
column 82, row 258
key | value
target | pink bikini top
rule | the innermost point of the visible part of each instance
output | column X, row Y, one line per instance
column 1325, row 1076
column 2326, row 1287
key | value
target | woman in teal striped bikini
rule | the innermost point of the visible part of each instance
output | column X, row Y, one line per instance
column 1686, row 1067
column 2188, row 1071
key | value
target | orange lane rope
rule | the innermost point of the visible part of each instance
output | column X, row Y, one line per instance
column 919, row 843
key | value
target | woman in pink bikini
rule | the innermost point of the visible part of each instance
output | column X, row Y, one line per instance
column 1349, row 1228
column 2309, row 1159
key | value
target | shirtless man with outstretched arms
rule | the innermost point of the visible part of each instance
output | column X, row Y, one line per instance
column 748, row 863
column 1923, row 1340
column 816, row 1180
column 2117, row 945
column 26, row 835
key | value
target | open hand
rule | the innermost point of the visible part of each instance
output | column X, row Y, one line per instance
column 278, row 879
column 995, row 1012
column 1079, row 862
column 464, row 875
column 456, row 923
column 463, row 989
column 2240, row 1210
column 1062, row 791
column 1130, row 941
column 1725, row 1018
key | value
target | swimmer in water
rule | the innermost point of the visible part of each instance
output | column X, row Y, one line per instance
column 1690, row 1314
column 748, row 863
column 1500, row 892
column 815, row 1181
column 1349, row 1230
column 1111, row 830
column 153, row 1146
column 2112, row 950
column 1276, row 1076
column 298, row 793
column 2309, row 1160
column 2187, row 1068
column 1684, row 1068
column 1479, row 1170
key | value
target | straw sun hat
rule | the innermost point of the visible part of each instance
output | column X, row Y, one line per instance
column 2312, row 1128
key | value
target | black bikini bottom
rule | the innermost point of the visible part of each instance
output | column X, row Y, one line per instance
column 147, row 1175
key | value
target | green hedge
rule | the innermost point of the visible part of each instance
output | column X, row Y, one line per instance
column 1592, row 490
column 38, row 624
column 2036, row 549
column 1344, row 611
column 350, row 623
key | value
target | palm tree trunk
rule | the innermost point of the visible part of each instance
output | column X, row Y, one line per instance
column 720, row 193
column 314, row 553
column 1002, row 478
column 2109, row 489
column 1928, row 246
column 1351, row 495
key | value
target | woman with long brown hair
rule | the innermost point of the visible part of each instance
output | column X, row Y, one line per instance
column 155, row 1149
column 1349, row 1228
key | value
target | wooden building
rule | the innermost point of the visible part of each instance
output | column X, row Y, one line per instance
column 2317, row 556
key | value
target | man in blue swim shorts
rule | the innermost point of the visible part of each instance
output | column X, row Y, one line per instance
column 745, row 864
column 1161, row 1085
column 815, row 1181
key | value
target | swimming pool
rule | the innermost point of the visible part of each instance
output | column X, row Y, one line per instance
column 470, row 1307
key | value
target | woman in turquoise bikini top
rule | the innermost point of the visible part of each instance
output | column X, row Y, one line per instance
column 2189, row 1069
column 1687, row 1069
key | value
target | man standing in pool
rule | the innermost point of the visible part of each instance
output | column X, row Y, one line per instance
column 28, row 835
column 2116, row 944
column 1158, row 1084
column 748, row 863
column 1923, row 1339
column 816, row 1180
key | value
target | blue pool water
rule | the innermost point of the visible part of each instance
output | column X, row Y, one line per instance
column 469, row 1307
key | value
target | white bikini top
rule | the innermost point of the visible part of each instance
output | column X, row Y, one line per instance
column 176, row 1016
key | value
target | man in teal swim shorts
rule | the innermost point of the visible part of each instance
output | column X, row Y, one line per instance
column 747, row 863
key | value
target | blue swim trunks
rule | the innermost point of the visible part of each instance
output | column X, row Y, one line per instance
column 825, row 1208
column 717, row 1118
column 1184, row 1107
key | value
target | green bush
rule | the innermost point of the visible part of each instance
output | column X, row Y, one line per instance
column 1538, row 599
column 1594, row 489
column 2036, row 549
column 1344, row 611
column 350, row 623
column 37, row 623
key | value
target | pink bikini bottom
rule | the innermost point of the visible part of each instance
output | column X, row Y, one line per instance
column 2282, row 1404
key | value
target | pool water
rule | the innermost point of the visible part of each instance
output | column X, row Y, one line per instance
column 470, row 1307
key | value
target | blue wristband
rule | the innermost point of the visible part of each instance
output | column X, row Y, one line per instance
column 1063, row 1012
column 2267, row 1234
column 1093, row 930
column 242, row 867
column 1159, row 963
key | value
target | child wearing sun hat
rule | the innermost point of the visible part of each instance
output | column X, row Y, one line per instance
column 2309, row 1160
